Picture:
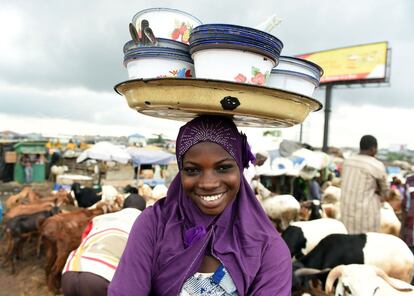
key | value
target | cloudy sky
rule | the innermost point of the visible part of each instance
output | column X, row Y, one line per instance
column 59, row 61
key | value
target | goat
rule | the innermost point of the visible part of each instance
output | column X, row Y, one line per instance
column 281, row 209
column 363, row 279
column 17, row 199
column 19, row 228
column 61, row 234
column 385, row 251
column 86, row 196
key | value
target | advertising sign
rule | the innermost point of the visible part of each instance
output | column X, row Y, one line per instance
column 360, row 63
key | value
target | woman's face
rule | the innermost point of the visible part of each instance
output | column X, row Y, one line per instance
column 210, row 177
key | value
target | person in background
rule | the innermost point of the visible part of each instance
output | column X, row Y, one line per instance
column 90, row 268
column 328, row 182
column 49, row 145
column 407, row 205
column 26, row 163
column 209, row 235
column 315, row 191
column 58, row 145
column 38, row 159
column 71, row 145
column 363, row 187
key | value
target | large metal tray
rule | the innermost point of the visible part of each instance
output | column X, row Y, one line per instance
column 248, row 105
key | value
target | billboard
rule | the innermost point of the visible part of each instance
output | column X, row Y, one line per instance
column 361, row 63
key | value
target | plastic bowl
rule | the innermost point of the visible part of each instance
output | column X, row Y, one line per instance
column 293, row 81
column 158, row 62
column 301, row 66
column 167, row 23
column 234, row 53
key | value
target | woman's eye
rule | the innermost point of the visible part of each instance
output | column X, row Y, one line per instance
column 224, row 168
column 190, row 171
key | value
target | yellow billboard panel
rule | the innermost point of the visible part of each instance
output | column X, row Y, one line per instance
column 362, row 62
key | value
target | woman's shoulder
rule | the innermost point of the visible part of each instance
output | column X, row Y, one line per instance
column 158, row 213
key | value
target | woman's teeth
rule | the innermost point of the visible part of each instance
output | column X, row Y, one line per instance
column 211, row 197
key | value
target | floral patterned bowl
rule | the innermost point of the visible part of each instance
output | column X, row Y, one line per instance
column 158, row 62
column 167, row 23
column 234, row 53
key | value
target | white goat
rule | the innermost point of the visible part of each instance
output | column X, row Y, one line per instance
column 365, row 280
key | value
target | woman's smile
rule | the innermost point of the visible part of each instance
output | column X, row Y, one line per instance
column 210, row 177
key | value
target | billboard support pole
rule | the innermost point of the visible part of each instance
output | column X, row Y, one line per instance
column 328, row 95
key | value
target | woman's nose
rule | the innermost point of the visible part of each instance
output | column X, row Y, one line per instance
column 208, row 180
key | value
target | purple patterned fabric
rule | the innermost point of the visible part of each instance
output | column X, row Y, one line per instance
column 217, row 129
column 167, row 243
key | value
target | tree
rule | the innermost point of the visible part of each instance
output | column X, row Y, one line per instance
column 272, row 133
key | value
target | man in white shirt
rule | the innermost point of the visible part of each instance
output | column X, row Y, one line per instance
column 363, row 187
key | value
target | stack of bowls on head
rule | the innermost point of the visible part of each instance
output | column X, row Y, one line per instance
column 168, row 58
column 165, row 57
column 296, row 75
column 234, row 53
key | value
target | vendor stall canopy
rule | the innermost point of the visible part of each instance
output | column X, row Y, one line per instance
column 105, row 151
column 147, row 156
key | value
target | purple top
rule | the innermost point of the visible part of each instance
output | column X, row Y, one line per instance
column 169, row 240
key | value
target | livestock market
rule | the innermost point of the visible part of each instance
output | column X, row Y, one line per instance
column 225, row 203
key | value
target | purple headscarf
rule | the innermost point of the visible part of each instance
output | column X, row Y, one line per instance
column 169, row 240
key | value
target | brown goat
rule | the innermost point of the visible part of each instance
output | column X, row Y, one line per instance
column 28, row 209
column 44, row 204
column 61, row 234
column 18, row 198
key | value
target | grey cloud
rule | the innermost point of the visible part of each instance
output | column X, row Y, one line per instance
column 79, row 43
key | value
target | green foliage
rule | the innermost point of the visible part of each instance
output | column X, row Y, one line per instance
column 158, row 140
column 272, row 133
column 391, row 156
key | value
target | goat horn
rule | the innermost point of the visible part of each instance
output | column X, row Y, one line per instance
column 309, row 271
column 389, row 281
column 332, row 276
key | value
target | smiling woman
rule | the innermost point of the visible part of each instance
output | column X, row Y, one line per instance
column 210, row 177
column 209, row 235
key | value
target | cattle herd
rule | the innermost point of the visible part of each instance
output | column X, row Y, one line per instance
column 326, row 260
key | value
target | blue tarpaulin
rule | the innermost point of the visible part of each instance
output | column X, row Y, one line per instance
column 146, row 156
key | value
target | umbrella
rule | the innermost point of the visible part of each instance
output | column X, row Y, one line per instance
column 105, row 151
column 146, row 156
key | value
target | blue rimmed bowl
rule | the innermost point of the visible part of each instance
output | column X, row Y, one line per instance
column 296, row 75
column 234, row 53
column 162, row 42
column 158, row 62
